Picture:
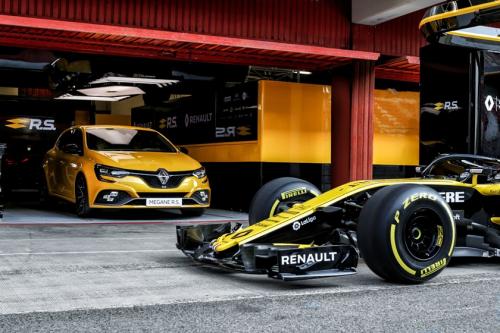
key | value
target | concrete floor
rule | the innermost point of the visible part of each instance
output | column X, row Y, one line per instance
column 63, row 213
column 130, row 277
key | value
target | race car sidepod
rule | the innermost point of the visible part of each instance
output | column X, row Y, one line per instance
column 288, row 262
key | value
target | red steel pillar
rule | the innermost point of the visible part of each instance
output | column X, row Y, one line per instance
column 352, row 122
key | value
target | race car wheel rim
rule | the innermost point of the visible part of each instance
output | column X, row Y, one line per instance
column 284, row 206
column 423, row 235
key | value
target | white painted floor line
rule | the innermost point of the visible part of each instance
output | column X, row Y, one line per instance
column 131, row 222
column 93, row 238
column 80, row 252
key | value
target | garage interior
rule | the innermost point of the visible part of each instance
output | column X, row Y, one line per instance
column 66, row 67
column 181, row 100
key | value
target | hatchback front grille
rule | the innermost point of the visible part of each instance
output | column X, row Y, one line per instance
column 162, row 194
column 154, row 180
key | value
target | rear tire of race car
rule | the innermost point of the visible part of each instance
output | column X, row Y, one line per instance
column 279, row 195
column 406, row 233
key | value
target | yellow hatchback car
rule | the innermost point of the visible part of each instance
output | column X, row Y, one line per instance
column 122, row 167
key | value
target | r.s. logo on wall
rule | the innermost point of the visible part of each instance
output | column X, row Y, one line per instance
column 32, row 124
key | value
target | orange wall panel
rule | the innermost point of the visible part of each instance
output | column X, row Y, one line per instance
column 296, row 122
column 112, row 119
column 396, row 128
column 226, row 152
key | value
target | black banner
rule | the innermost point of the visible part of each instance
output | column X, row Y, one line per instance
column 490, row 106
column 236, row 118
column 224, row 116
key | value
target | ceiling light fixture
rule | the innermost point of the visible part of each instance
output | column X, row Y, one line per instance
column 135, row 80
column 111, row 91
column 91, row 98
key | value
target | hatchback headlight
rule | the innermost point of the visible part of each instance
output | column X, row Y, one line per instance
column 199, row 173
column 103, row 170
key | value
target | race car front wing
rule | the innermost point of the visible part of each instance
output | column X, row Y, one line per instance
column 288, row 262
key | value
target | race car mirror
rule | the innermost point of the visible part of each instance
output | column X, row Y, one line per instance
column 476, row 171
column 464, row 176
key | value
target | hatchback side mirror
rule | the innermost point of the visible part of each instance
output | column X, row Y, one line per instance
column 72, row 149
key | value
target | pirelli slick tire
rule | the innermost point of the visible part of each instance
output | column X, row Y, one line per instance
column 279, row 195
column 406, row 233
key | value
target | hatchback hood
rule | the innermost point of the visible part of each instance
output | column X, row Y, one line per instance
column 146, row 161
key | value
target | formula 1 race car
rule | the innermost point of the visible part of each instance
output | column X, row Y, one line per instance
column 406, row 229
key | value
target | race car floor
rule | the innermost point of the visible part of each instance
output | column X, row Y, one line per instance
column 130, row 277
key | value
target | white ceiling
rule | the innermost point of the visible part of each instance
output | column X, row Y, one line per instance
column 372, row 12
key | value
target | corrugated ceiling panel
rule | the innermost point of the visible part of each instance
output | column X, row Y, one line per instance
column 400, row 36
column 315, row 22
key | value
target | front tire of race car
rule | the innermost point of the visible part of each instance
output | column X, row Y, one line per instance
column 406, row 233
column 279, row 195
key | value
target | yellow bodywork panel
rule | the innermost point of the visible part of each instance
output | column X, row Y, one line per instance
column 459, row 12
column 248, row 234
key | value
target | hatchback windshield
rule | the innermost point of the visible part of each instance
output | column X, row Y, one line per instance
column 123, row 139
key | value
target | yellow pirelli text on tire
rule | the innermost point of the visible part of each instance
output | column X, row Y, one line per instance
column 418, row 196
column 273, row 208
column 433, row 268
column 439, row 240
column 396, row 216
column 293, row 193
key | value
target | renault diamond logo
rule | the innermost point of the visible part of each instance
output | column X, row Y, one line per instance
column 243, row 131
column 163, row 176
column 32, row 124
column 438, row 106
column 489, row 103
column 18, row 123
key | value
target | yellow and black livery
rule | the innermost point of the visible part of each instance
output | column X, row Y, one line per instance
column 405, row 229
column 463, row 23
